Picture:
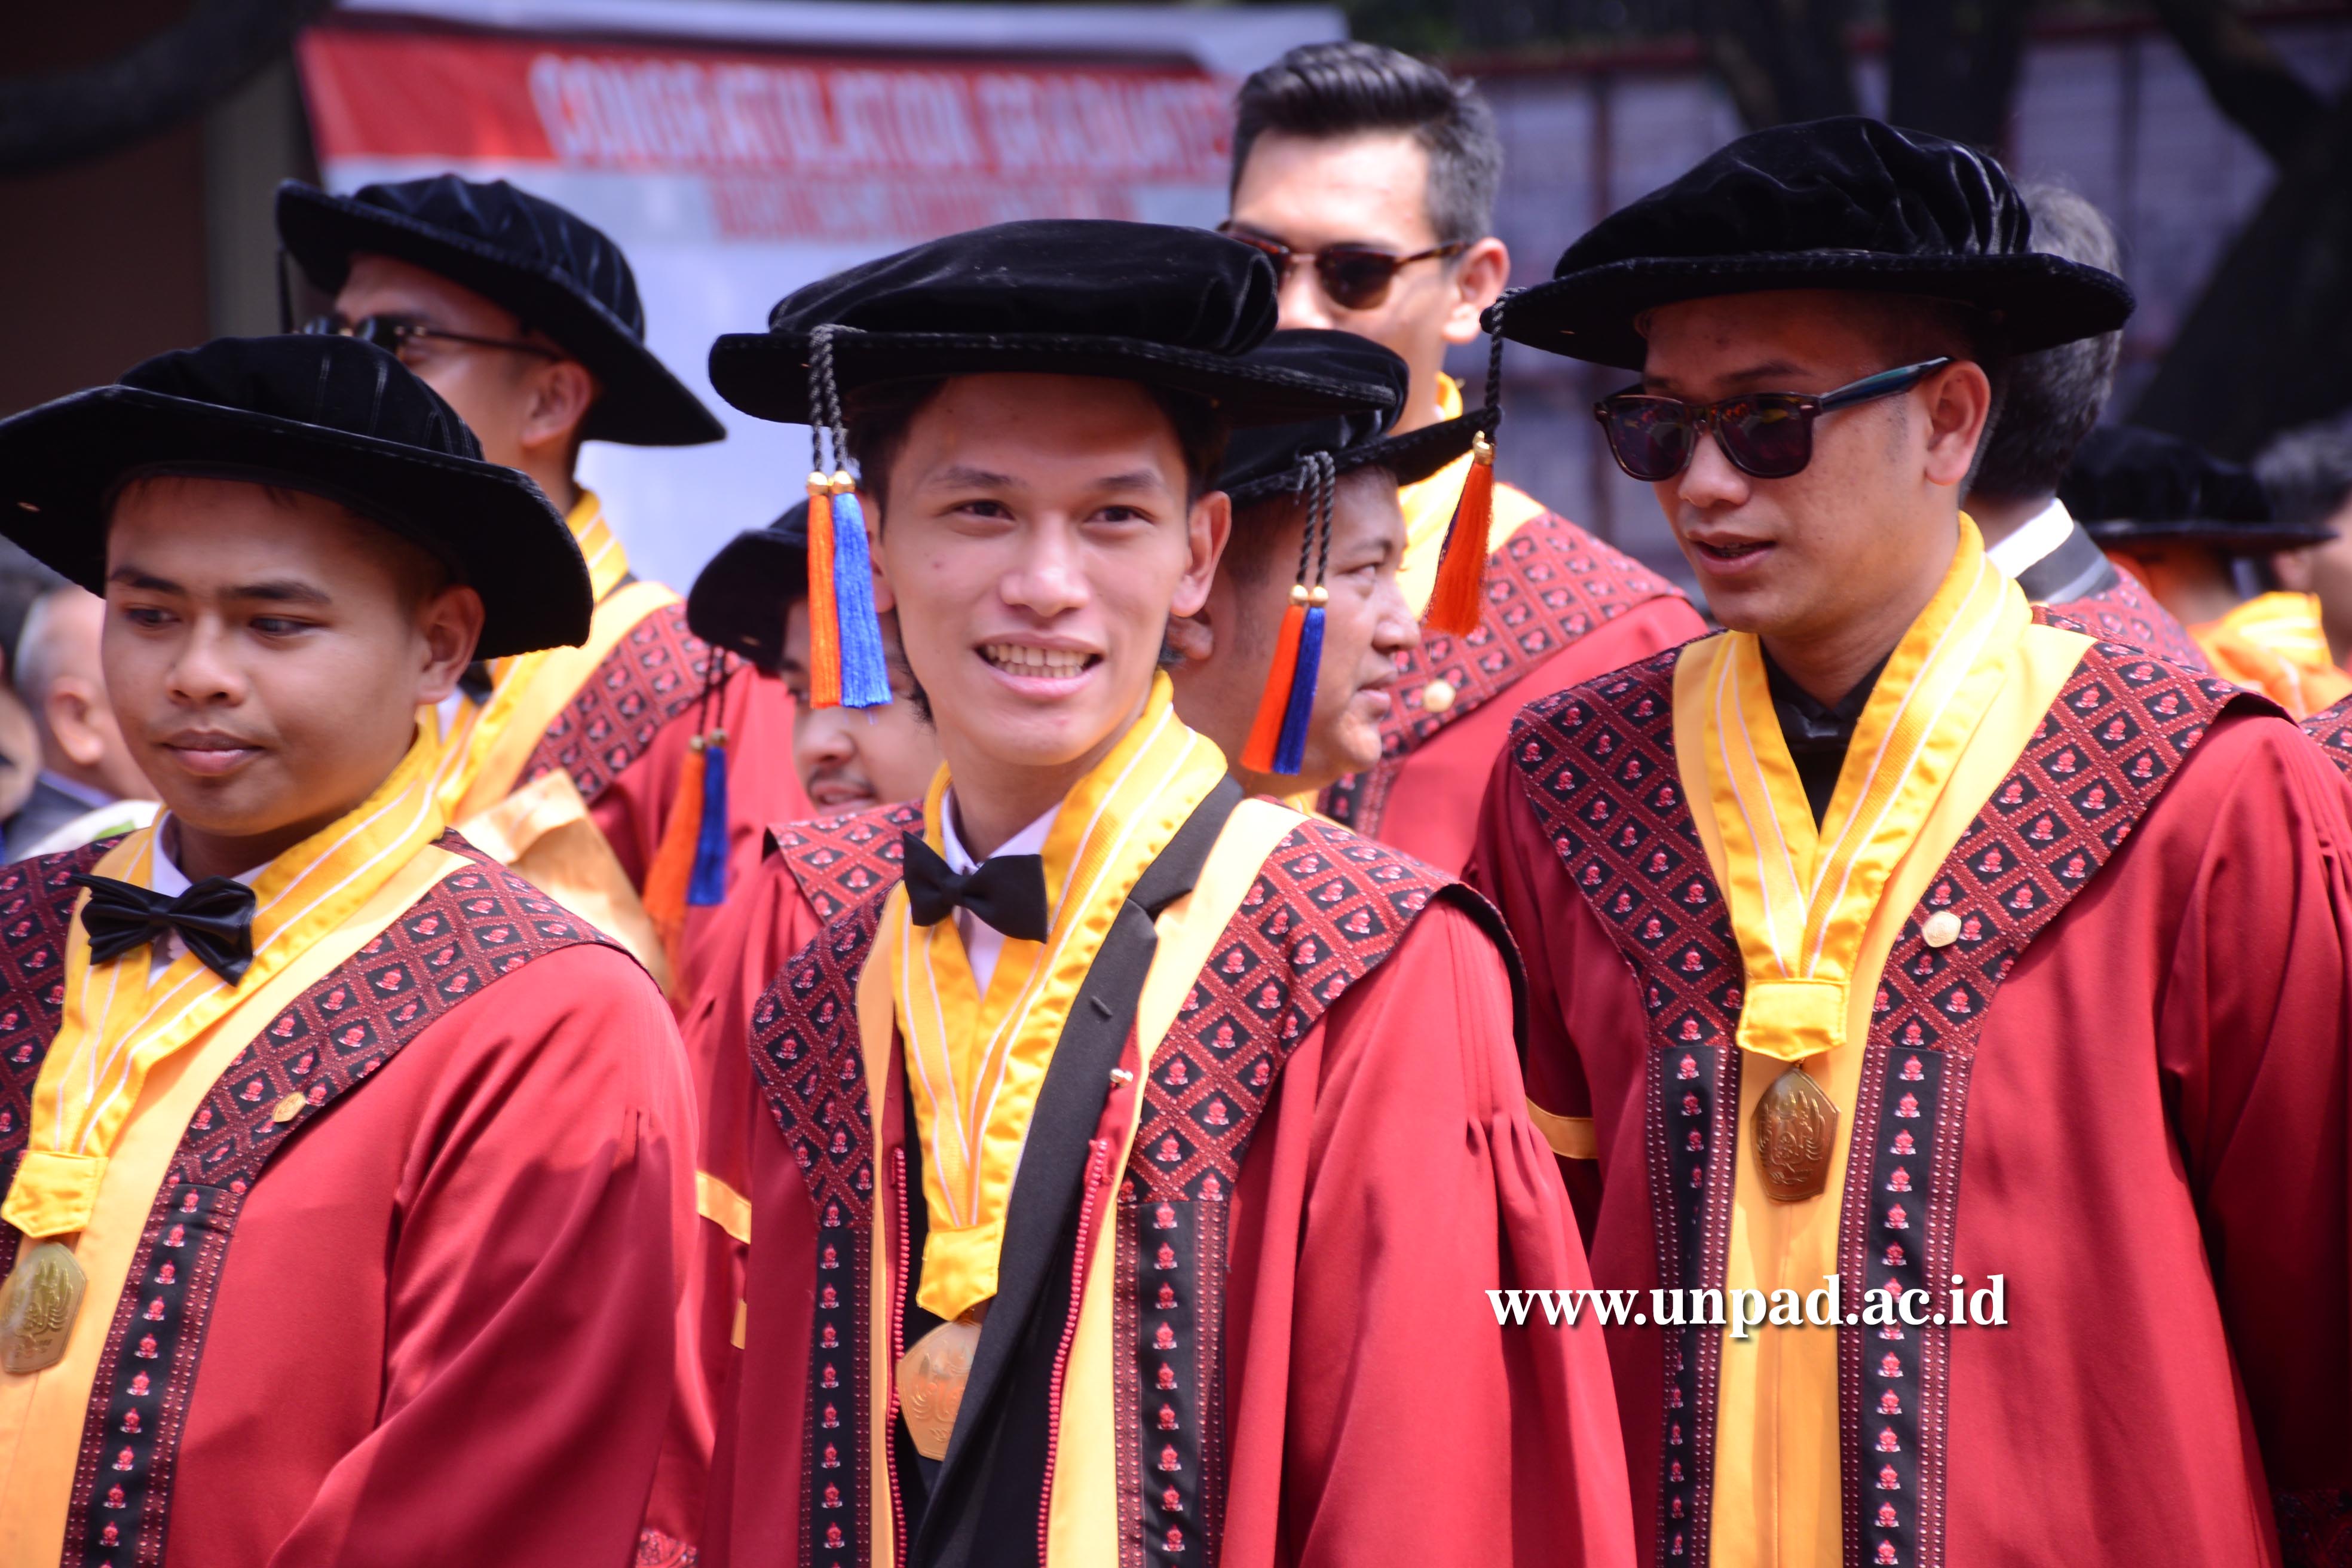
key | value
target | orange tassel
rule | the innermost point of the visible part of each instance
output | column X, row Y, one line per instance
column 1459, row 598
column 673, row 864
column 825, row 623
column 1265, row 730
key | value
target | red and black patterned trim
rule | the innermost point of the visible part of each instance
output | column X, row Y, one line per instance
column 655, row 673
column 472, row 928
column 2332, row 727
column 842, row 861
column 811, row 1066
column 1326, row 908
column 2112, row 740
column 1597, row 764
column 36, row 901
column 1548, row 587
column 2123, row 613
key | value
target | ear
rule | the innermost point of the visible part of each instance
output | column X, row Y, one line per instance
column 884, row 600
column 69, row 711
column 1190, row 637
column 2293, row 569
column 450, row 623
column 1958, row 400
column 1480, row 274
column 560, row 394
column 1207, row 527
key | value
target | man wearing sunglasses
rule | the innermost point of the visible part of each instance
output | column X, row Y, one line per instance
column 1900, row 940
column 527, row 320
column 1370, row 177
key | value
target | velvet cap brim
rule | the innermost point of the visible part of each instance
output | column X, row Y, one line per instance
column 739, row 598
column 1412, row 458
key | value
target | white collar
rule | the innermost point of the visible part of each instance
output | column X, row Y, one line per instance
column 1029, row 840
column 164, row 876
column 2032, row 541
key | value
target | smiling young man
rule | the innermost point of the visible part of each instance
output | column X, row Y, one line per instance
column 1079, row 1226
column 527, row 320
column 1370, row 177
column 317, row 1253
column 1896, row 938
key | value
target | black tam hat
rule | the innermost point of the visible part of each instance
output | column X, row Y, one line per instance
column 2128, row 485
column 330, row 417
column 738, row 600
column 1846, row 204
column 559, row 274
column 1172, row 308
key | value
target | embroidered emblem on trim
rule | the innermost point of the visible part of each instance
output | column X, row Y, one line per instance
column 654, row 674
column 842, row 861
column 2332, row 727
column 1597, row 764
column 468, row 930
column 2110, row 742
column 2123, row 614
column 1326, row 908
column 1546, row 588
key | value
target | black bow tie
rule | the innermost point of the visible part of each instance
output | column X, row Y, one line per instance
column 1007, row 893
column 214, row 917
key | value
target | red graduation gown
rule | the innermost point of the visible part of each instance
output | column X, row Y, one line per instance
column 1561, row 607
column 2153, row 1104
column 1373, row 1410
column 443, row 1329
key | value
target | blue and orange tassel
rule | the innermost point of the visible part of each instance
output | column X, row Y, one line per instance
column 689, row 863
column 1286, row 711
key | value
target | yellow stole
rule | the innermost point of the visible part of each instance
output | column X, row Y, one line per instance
column 2275, row 644
column 1429, row 511
column 488, row 743
column 1800, row 898
column 117, row 1024
column 975, row 1062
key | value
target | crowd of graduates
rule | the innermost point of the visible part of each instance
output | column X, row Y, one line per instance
column 1036, row 1008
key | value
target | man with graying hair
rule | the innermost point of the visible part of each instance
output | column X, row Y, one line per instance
column 89, row 785
column 2053, row 400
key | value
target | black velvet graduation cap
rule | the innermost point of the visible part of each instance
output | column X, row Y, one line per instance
column 2127, row 484
column 559, row 274
column 1271, row 460
column 738, row 599
column 1847, row 204
column 1174, row 307
column 331, row 416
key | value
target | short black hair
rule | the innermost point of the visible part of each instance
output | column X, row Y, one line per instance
column 879, row 416
column 1250, row 556
column 1349, row 88
column 2308, row 472
column 2054, row 398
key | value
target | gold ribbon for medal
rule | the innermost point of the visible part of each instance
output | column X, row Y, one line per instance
column 1801, row 897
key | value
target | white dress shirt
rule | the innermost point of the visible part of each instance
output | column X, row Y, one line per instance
column 2033, row 540
column 166, row 878
column 981, row 941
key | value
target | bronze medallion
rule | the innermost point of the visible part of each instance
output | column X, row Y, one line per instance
column 1795, row 1129
column 37, row 1306
column 931, row 1379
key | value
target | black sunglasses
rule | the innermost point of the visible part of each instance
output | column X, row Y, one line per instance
column 1356, row 277
column 1767, row 434
column 395, row 332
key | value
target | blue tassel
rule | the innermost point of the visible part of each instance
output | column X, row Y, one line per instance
column 707, row 886
column 1290, row 756
column 865, row 678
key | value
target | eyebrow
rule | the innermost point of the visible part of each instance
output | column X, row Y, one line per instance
column 276, row 591
column 1770, row 370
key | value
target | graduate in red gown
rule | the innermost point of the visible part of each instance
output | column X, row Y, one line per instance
column 1897, row 938
column 1370, row 178
column 347, row 1176
column 527, row 320
column 1212, row 1314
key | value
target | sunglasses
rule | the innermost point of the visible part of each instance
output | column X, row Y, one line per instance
column 395, row 334
column 1767, row 434
column 1355, row 277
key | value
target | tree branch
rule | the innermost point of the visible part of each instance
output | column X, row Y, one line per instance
column 2244, row 75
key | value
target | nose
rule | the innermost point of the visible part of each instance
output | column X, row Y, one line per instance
column 1710, row 484
column 203, row 672
column 823, row 738
column 1049, row 578
column 1302, row 303
column 1395, row 629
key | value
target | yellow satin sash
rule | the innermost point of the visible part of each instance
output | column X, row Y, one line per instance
column 975, row 1062
column 117, row 1024
column 1800, row 898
